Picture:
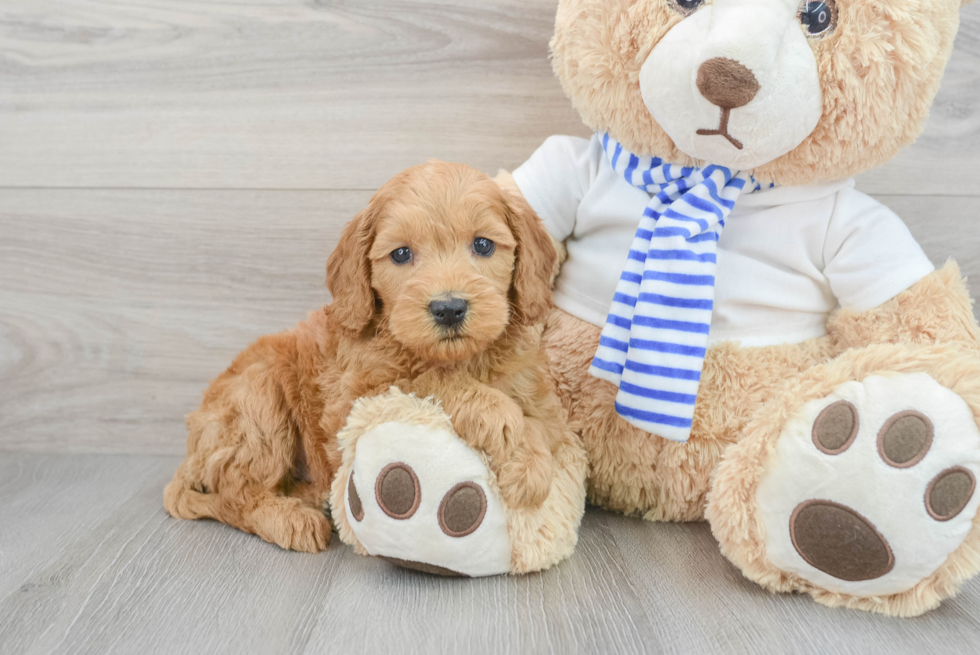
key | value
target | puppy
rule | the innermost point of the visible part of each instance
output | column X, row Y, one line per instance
column 439, row 287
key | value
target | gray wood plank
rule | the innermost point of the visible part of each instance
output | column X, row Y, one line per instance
column 587, row 604
column 293, row 94
column 128, row 578
column 138, row 576
column 690, row 579
column 337, row 95
column 118, row 307
column 48, row 502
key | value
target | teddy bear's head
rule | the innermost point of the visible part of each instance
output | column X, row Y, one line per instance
column 795, row 91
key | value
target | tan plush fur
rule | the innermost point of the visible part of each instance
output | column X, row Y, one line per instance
column 262, row 448
column 664, row 480
column 732, row 508
column 752, row 391
column 367, row 414
column 879, row 71
column 540, row 536
column 929, row 328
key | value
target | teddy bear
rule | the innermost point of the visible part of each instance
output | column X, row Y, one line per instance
column 739, row 335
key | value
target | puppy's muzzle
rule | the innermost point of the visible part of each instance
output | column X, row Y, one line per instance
column 448, row 312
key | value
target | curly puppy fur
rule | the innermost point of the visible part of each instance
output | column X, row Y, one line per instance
column 262, row 448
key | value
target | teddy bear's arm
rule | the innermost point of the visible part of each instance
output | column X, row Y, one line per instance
column 936, row 309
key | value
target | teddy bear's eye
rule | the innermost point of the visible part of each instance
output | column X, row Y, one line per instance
column 817, row 17
column 401, row 255
column 686, row 6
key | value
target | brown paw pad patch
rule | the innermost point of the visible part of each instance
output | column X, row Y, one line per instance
column 905, row 439
column 397, row 491
column 949, row 492
column 422, row 567
column 835, row 539
column 462, row 509
column 835, row 428
column 356, row 508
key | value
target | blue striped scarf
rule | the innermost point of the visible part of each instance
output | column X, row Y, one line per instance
column 656, row 335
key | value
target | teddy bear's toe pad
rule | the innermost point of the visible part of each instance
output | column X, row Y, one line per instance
column 420, row 498
column 837, row 540
column 871, row 488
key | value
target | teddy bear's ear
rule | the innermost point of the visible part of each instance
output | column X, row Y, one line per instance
column 349, row 269
column 536, row 260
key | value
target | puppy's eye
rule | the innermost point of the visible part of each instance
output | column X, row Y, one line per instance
column 401, row 255
column 483, row 247
column 686, row 7
column 818, row 17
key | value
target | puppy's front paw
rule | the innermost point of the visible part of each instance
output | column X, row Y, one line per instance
column 525, row 479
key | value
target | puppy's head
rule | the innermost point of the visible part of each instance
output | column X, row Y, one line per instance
column 446, row 259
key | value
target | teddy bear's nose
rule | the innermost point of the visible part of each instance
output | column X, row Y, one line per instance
column 726, row 83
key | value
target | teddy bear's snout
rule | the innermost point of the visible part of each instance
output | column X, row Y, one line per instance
column 726, row 83
column 735, row 83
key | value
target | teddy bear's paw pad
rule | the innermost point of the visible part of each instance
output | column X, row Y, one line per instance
column 870, row 489
column 420, row 498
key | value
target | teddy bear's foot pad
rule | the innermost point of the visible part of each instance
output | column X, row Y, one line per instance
column 873, row 487
column 420, row 498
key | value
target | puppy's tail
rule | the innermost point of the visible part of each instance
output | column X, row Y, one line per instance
column 185, row 502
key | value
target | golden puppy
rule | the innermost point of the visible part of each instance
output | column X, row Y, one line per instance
column 439, row 286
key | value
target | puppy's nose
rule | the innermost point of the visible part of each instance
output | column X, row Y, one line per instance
column 726, row 83
column 448, row 312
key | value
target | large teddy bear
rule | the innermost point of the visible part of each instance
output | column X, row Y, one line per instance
column 740, row 335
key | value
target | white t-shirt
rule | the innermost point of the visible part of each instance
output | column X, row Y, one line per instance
column 787, row 258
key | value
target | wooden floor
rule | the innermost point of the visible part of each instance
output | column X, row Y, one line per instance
column 173, row 175
column 91, row 563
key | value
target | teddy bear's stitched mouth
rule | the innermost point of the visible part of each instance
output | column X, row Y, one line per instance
column 727, row 84
column 722, row 129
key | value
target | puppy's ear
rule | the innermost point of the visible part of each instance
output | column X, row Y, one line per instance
column 349, row 270
column 536, row 260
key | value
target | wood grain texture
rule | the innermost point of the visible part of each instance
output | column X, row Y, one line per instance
column 329, row 95
column 123, row 577
column 226, row 94
column 117, row 307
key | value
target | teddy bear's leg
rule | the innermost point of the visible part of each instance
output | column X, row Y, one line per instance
column 857, row 484
column 409, row 490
